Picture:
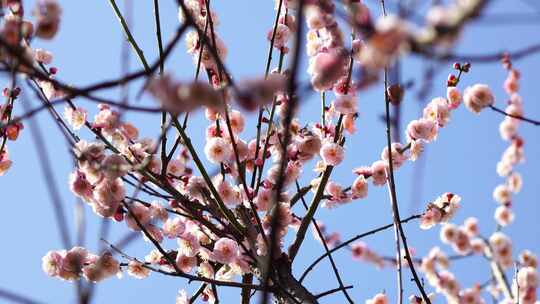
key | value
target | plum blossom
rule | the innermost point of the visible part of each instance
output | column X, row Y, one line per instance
column 332, row 153
column 453, row 95
column 218, row 150
column 378, row 299
column 345, row 104
column 438, row 111
column 225, row 251
column 504, row 215
column 75, row 117
column 47, row 15
column 136, row 269
column 359, row 188
column 478, row 97
column 379, row 172
column 440, row 211
column 422, row 128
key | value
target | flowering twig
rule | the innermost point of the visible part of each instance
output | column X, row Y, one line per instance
column 326, row 249
column 352, row 240
column 522, row 118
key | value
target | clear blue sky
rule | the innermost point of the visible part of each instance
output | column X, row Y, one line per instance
column 462, row 160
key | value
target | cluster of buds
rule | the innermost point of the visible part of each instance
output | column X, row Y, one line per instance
column 452, row 79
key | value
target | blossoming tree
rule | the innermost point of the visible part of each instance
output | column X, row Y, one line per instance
column 234, row 213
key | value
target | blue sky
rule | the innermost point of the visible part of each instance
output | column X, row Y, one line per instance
column 462, row 160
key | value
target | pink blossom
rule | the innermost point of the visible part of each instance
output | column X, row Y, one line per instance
column 478, row 97
column 417, row 147
column 511, row 84
column 5, row 162
column 345, row 104
column 502, row 195
column 107, row 196
column 508, row 128
column 72, row 264
column 430, row 217
column 75, row 117
column 136, row 269
column 52, row 263
column 380, row 298
column 332, row 153
column 281, row 36
column 309, row 145
column 398, row 158
column 326, row 68
column 174, row 227
column 80, row 186
column 471, row 226
column 225, row 251
column 504, row 216
column 141, row 213
column 101, row 268
column 422, row 129
column 47, row 15
column 378, row 170
column 359, row 188
column 106, row 119
column 228, row 194
column 188, row 244
column 349, row 123
column 218, row 150
column 115, row 166
column 514, row 182
column 454, row 97
column 43, row 56
column 186, row 263
column 448, row 233
column 237, row 122
column 438, row 111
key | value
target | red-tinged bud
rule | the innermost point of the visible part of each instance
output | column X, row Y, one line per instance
column 457, row 66
column 174, row 204
column 53, row 70
column 518, row 141
column 452, row 80
column 119, row 215
column 12, row 131
column 16, row 92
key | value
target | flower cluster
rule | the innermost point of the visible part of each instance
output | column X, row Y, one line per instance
column 440, row 211
column 514, row 154
column 71, row 265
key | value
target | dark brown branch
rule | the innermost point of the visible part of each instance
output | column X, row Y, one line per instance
column 331, row 291
column 525, row 119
